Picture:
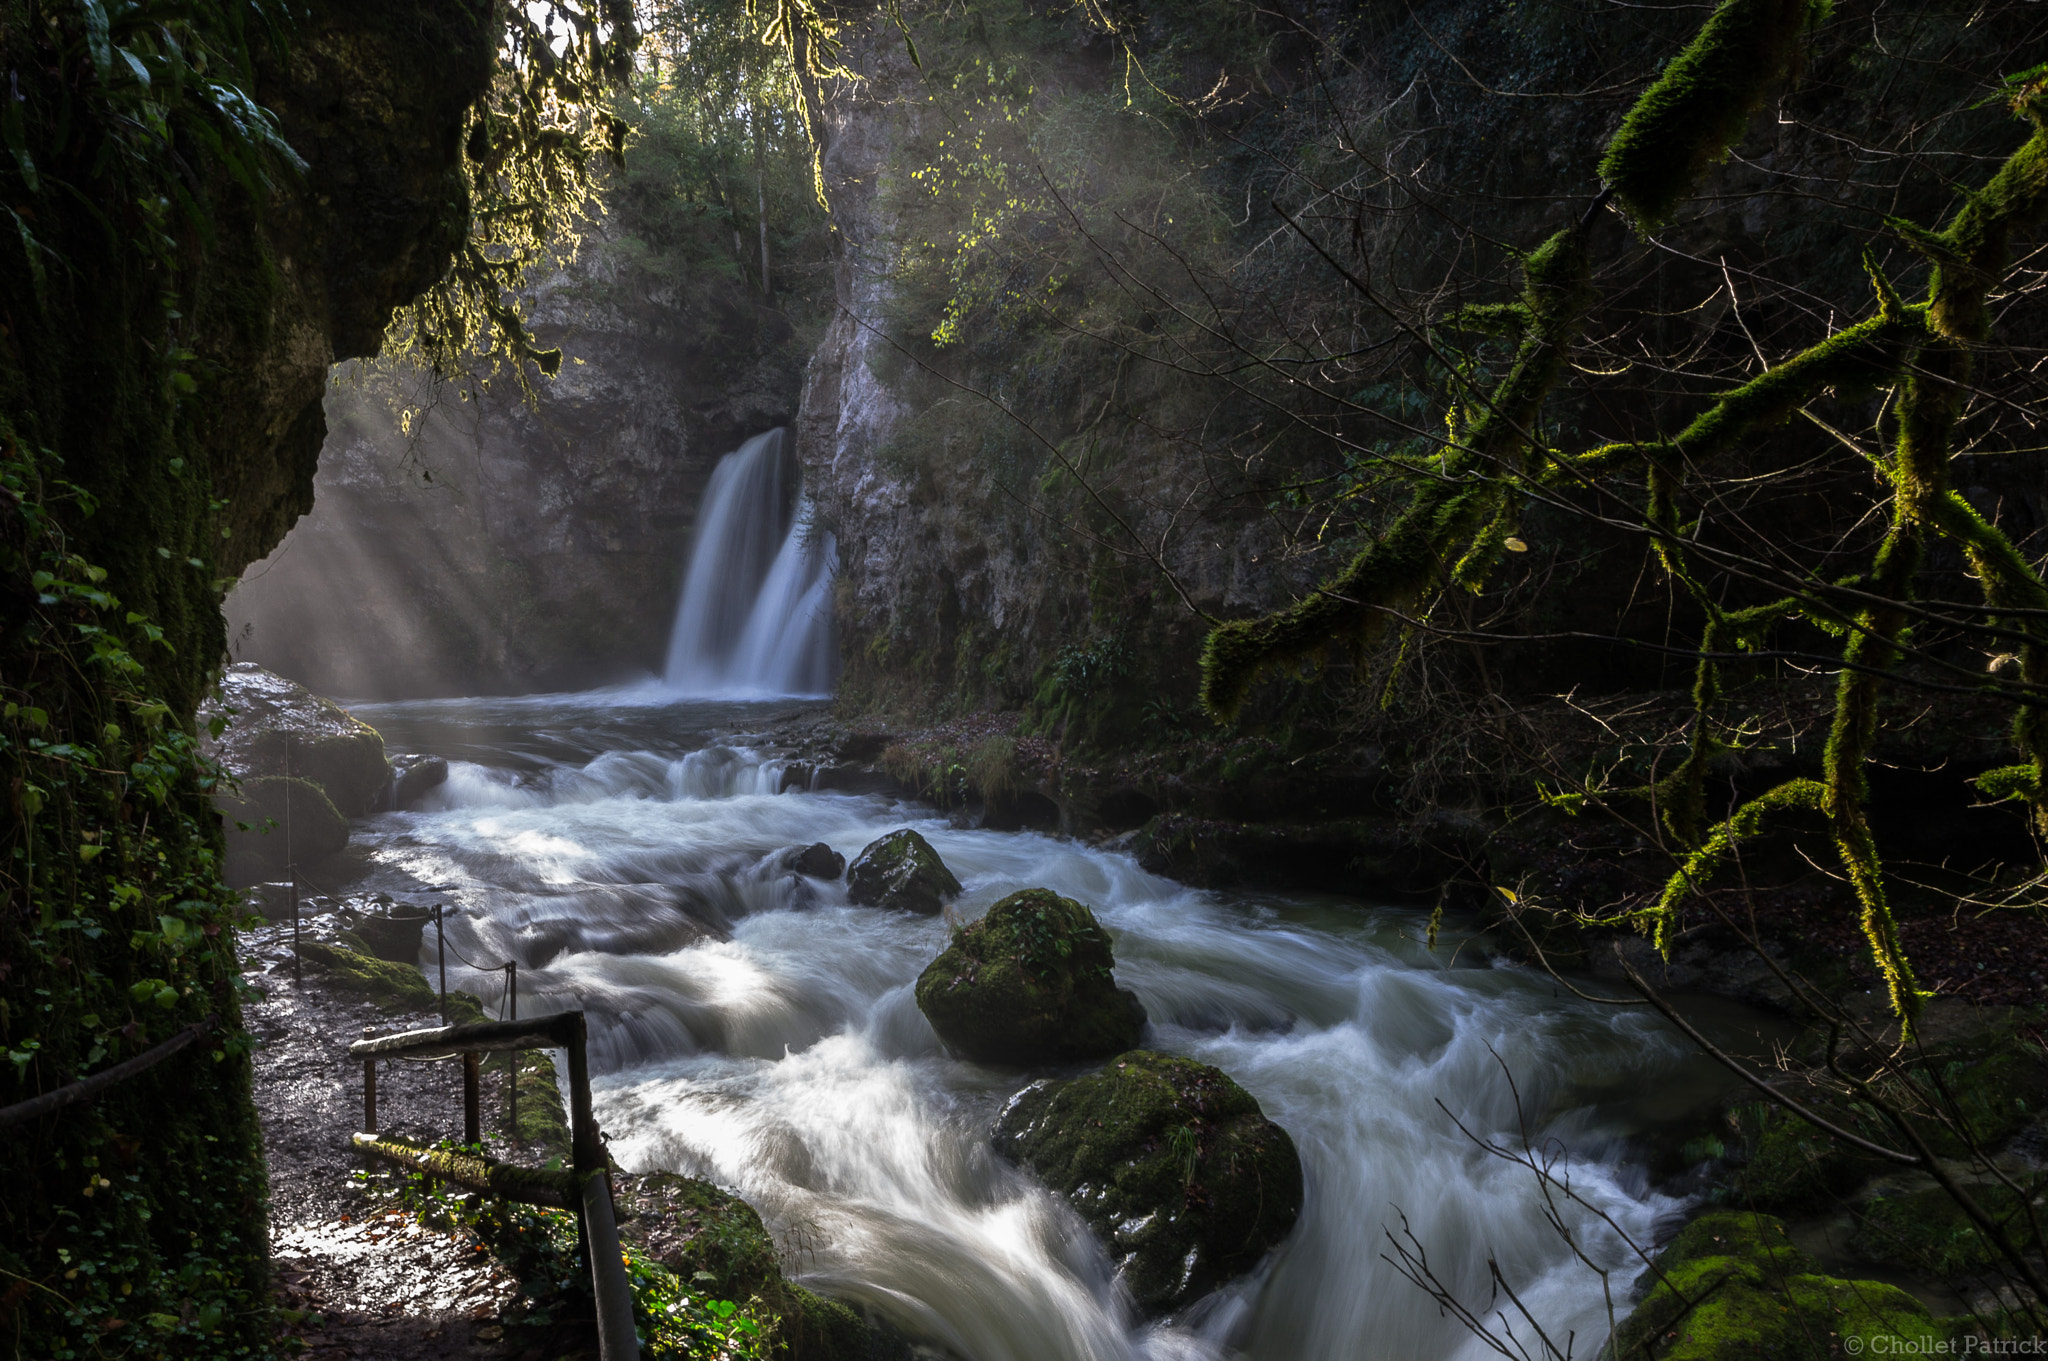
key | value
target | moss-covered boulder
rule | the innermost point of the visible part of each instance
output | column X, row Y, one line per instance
column 1030, row 982
column 1734, row 1288
column 307, row 826
column 279, row 727
column 901, row 871
column 347, row 965
column 715, row 1241
column 1172, row 1164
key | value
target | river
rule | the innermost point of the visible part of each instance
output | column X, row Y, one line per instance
column 580, row 834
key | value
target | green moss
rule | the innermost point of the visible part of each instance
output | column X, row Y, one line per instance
column 1697, row 109
column 1173, row 1164
column 1030, row 982
column 395, row 988
column 1795, row 1167
column 288, row 821
column 1733, row 1288
column 543, row 1124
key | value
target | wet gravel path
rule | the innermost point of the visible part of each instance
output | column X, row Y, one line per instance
column 375, row 1284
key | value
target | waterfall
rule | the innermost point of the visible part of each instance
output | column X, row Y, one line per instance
column 755, row 617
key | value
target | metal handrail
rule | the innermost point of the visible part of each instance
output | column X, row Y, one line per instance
column 589, row 1168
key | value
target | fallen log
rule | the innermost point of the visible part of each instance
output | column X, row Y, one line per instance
column 557, row 1189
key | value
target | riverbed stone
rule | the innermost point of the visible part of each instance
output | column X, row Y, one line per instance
column 414, row 776
column 819, row 861
column 901, row 870
column 1172, row 1164
column 1731, row 1287
column 394, row 931
column 1030, row 982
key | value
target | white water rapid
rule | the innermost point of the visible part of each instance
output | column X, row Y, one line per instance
column 754, row 618
column 790, row 1062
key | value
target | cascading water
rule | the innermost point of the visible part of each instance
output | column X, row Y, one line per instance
column 755, row 615
column 753, row 1028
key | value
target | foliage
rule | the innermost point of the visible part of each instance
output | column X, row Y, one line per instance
column 532, row 156
column 148, row 76
column 114, row 909
column 720, row 165
column 1458, row 517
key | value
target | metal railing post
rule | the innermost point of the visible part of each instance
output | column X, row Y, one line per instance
column 587, row 1185
column 441, row 957
column 512, row 1085
column 291, row 860
column 615, row 1334
column 472, row 1101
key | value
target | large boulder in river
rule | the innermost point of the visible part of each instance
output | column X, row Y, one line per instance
column 902, row 871
column 279, row 729
column 1030, row 983
column 1172, row 1164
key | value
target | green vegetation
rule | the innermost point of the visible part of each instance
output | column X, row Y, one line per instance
column 1732, row 1286
column 715, row 1242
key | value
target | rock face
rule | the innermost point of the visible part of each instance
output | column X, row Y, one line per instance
column 1751, row 1293
column 278, row 728
column 901, row 871
column 493, row 547
column 302, row 761
column 1030, row 983
column 1169, row 1161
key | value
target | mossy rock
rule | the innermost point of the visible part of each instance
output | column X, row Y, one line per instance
column 1172, row 1164
column 715, row 1241
column 349, row 966
column 1995, row 1082
column 280, row 728
column 395, row 935
column 1030, row 982
column 308, row 827
column 901, row 871
column 1734, row 1288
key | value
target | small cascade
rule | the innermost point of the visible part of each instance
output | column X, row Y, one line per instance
column 755, row 617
